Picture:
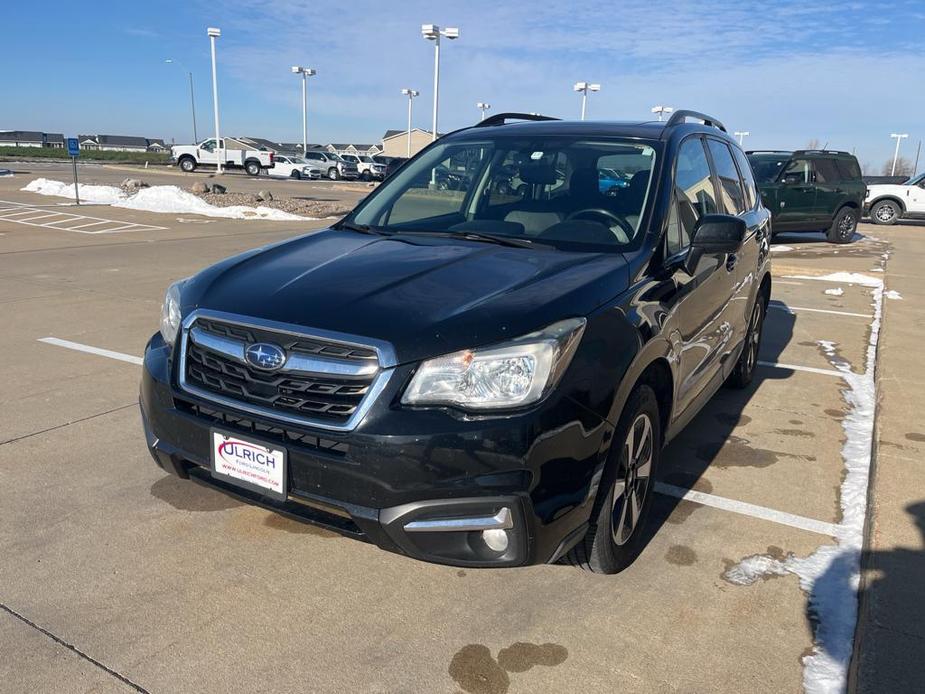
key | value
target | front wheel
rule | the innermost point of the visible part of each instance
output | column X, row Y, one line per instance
column 843, row 226
column 252, row 168
column 333, row 173
column 744, row 370
column 188, row 164
column 616, row 534
column 885, row 212
column 296, row 175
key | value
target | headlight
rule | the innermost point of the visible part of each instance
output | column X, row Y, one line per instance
column 512, row 374
column 170, row 312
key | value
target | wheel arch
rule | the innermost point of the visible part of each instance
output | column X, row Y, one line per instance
column 891, row 198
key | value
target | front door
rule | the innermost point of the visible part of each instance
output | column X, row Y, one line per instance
column 797, row 197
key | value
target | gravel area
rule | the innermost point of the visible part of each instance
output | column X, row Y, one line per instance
column 300, row 206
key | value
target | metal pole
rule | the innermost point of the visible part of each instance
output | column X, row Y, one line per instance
column 915, row 169
column 584, row 102
column 304, row 114
column 410, row 101
column 436, row 83
column 192, row 103
column 218, row 138
column 76, row 186
column 895, row 157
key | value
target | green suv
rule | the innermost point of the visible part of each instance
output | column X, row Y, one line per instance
column 811, row 190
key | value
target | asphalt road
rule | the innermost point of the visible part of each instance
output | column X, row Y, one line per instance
column 116, row 576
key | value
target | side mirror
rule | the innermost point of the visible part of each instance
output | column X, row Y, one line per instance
column 718, row 233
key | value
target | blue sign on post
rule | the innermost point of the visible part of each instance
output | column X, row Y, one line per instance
column 73, row 147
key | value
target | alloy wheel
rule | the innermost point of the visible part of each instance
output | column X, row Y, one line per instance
column 885, row 213
column 754, row 337
column 632, row 484
column 846, row 226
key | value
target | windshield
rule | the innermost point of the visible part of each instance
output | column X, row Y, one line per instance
column 766, row 167
column 366, row 160
column 545, row 190
column 915, row 180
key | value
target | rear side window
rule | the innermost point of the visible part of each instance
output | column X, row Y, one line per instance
column 848, row 169
column 748, row 178
column 826, row 171
column 730, row 186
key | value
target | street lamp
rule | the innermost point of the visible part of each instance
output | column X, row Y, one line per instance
column 410, row 93
column 584, row 88
column 306, row 72
column 742, row 134
column 899, row 138
column 432, row 32
column 482, row 106
column 192, row 103
column 660, row 110
column 213, row 34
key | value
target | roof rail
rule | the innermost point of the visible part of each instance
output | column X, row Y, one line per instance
column 678, row 117
column 821, row 151
column 502, row 118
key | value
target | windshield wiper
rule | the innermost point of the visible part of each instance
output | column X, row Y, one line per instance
column 363, row 229
column 478, row 236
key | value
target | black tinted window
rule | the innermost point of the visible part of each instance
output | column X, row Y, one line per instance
column 730, row 186
column 826, row 172
column 848, row 169
column 745, row 170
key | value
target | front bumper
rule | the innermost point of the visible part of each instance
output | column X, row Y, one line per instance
column 401, row 468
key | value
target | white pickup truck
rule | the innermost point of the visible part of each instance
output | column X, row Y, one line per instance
column 888, row 202
column 188, row 157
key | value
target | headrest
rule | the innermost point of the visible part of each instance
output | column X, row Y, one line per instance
column 539, row 174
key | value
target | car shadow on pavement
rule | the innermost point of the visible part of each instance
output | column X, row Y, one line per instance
column 890, row 639
column 686, row 461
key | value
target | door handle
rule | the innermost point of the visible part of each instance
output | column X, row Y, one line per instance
column 731, row 261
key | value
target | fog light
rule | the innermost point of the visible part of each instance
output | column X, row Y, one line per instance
column 496, row 539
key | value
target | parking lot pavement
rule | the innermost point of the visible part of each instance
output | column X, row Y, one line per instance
column 172, row 586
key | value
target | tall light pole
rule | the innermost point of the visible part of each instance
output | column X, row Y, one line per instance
column 192, row 102
column 661, row 110
column 410, row 93
column 899, row 138
column 432, row 32
column 584, row 88
column 742, row 134
column 213, row 34
column 482, row 106
column 306, row 72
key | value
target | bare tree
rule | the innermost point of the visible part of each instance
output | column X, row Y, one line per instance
column 903, row 167
column 813, row 144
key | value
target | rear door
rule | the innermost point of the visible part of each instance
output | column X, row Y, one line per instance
column 705, row 291
column 797, row 196
column 831, row 194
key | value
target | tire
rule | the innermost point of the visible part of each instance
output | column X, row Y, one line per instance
column 843, row 226
column 252, row 168
column 334, row 174
column 603, row 549
column 886, row 212
column 187, row 164
column 744, row 370
column 296, row 175
column 365, row 175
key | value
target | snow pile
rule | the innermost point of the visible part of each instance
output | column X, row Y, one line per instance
column 838, row 291
column 892, row 294
column 169, row 199
column 831, row 575
column 781, row 249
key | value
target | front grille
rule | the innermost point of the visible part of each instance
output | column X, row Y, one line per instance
column 322, row 397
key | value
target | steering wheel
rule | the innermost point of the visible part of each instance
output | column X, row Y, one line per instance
column 611, row 218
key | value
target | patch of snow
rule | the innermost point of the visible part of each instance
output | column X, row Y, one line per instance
column 846, row 277
column 876, row 269
column 780, row 249
column 893, row 294
column 838, row 291
column 169, row 199
column 831, row 574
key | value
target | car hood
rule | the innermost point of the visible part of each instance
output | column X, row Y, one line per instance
column 426, row 295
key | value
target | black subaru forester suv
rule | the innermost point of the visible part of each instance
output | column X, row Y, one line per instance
column 483, row 374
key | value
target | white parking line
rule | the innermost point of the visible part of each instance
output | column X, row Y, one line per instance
column 780, row 306
column 130, row 358
column 68, row 221
column 745, row 509
column 795, row 367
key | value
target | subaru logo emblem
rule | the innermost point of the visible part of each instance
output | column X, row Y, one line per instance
column 265, row 356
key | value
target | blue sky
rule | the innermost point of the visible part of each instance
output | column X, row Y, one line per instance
column 846, row 73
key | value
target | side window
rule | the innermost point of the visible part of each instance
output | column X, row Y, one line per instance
column 730, row 186
column 693, row 187
column 798, row 171
column 208, row 145
column 848, row 169
column 826, row 171
column 748, row 177
column 314, row 156
column 677, row 237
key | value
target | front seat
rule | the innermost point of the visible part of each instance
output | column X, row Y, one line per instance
column 536, row 215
